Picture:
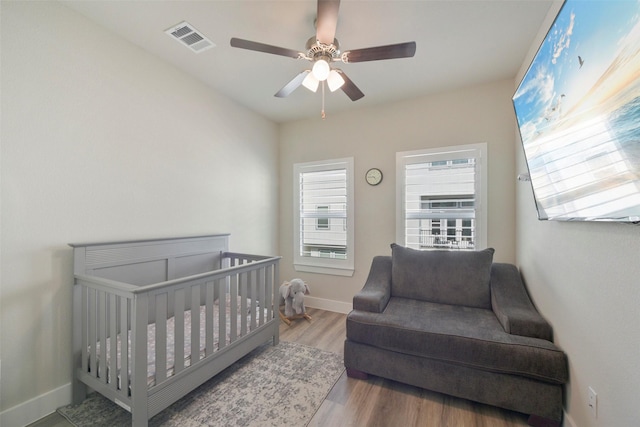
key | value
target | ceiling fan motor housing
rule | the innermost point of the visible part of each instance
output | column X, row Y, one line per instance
column 317, row 50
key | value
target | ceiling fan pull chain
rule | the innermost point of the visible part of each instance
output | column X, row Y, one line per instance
column 322, row 114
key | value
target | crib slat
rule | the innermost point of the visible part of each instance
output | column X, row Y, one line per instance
column 254, row 298
column 179, row 330
column 233, row 305
column 222, row 313
column 272, row 299
column 195, row 324
column 266, row 307
column 244, row 277
column 161, row 338
column 209, row 319
column 113, row 343
column 93, row 342
column 102, row 336
column 84, row 338
column 262, row 301
column 124, row 343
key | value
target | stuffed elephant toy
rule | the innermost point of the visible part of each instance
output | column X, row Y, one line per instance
column 293, row 293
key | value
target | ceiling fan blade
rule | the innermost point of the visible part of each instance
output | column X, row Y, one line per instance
column 349, row 87
column 392, row 51
column 292, row 85
column 266, row 48
column 327, row 20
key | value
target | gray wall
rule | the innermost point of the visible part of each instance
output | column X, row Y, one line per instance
column 585, row 279
column 372, row 136
column 102, row 141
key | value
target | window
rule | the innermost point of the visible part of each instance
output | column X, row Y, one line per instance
column 441, row 202
column 323, row 217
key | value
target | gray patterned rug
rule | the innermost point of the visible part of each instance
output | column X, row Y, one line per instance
column 272, row 386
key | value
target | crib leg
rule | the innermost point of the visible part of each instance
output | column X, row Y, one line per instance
column 78, row 391
column 78, row 388
column 276, row 334
column 138, row 420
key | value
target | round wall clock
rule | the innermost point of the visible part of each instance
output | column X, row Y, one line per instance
column 374, row 176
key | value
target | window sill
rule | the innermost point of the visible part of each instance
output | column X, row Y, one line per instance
column 324, row 270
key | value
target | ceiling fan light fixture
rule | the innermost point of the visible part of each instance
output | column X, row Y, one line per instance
column 322, row 50
column 334, row 81
column 310, row 82
column 321, row 69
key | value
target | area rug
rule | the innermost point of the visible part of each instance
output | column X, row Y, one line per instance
column 272, row 386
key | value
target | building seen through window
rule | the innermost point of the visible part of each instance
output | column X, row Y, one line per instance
column 440, row 192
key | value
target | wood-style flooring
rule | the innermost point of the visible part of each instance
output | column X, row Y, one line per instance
column 376, row 401
column 385, row 403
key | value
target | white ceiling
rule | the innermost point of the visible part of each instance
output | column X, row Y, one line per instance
column 459, row 43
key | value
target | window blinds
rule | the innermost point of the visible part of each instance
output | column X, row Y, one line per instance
column 323, row 213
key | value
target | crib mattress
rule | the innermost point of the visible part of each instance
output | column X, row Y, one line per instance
column 170, row 351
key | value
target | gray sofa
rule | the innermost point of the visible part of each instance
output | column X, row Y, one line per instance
column 456, row 323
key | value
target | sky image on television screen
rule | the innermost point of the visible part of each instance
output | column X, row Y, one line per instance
column 578, row 112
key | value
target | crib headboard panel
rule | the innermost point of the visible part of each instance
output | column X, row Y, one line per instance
column 143, row 262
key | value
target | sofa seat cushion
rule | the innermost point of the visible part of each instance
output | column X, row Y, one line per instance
column 467, row 336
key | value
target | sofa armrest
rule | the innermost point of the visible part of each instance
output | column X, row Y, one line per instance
column 376, row 292
column 512, row 306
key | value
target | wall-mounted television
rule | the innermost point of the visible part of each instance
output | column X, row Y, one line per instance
column 578, row 113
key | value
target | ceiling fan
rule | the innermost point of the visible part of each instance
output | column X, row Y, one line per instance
column 322, row 50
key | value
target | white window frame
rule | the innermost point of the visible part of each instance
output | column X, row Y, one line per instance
column 477, row 151
column 322, row 265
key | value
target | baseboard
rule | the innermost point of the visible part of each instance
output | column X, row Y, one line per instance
column 327, row 304
column 568, row 421
column 36, row 408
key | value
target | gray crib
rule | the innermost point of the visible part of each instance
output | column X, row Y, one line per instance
column 154, row 319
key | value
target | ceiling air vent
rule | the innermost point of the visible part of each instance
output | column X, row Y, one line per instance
column 187, row 35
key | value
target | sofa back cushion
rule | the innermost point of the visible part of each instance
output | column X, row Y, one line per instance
column 446, row 277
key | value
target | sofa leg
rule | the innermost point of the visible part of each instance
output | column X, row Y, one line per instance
column 354, row 373
column 538, row 421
